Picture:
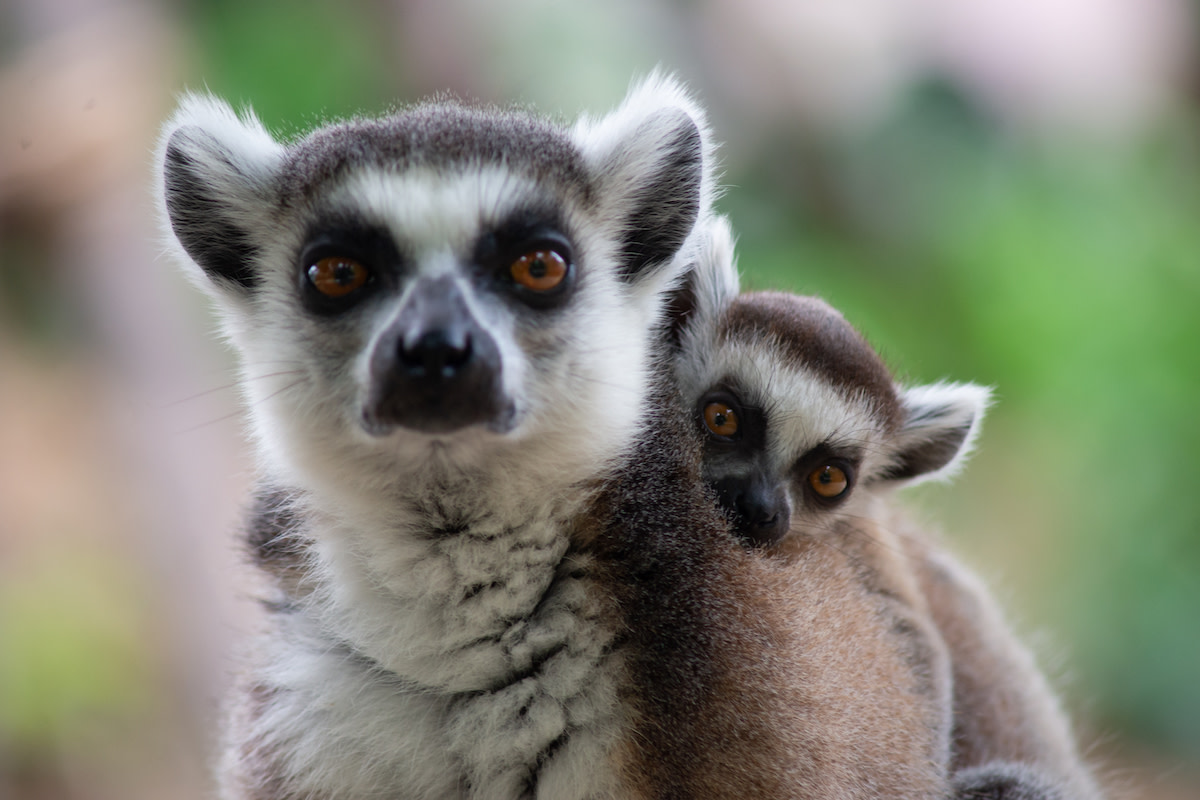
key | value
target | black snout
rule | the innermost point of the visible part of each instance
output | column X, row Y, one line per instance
column 758, row 508
column 436, row 369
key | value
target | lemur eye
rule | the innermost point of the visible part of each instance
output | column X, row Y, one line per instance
column 336, row 276
column 829, row 481
column 721, row 419
column 539, row 270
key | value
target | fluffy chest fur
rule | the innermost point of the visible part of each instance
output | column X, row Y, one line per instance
column 483, row 668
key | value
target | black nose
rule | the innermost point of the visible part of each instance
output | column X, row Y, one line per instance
column 439, row 353
column 761, row 525
column 436, row 369
column 758, row 508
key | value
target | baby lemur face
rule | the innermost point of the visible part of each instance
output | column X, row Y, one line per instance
column 433, row 285
column 802, row 420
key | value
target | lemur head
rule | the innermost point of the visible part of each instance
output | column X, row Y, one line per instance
column 801, row 418
column 431, row 287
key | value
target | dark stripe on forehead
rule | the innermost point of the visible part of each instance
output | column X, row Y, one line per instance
column 810, row 333
column 435, row 136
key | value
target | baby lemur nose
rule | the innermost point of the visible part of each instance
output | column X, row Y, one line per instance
column 759, row 508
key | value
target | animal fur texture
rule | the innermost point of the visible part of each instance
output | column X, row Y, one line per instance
column 807, row 393
column 494, row 567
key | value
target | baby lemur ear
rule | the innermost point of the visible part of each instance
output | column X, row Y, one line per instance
column 216, row 181
column 652, row 159
column 708, row 286
column 940, row 424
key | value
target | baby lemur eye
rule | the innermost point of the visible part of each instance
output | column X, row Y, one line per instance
column 829, row 481
column 539, row 270
column 721, row 419
column 337, row 276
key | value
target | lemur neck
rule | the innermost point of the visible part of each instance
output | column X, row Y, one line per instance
column 446, row 582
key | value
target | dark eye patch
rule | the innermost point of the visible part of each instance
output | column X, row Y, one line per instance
column 368, row 245
column 823, row 468
column 523, row 233
column 750, row 437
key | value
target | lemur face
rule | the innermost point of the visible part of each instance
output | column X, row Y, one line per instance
column 802, row 420
column 437, row 283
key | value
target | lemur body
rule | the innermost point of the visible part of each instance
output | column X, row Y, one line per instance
column 807, row 437
column 433, row 311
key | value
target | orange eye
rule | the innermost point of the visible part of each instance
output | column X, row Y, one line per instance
column 721, row 419
column 336, row 277
column 829, row 481
column 539, row 270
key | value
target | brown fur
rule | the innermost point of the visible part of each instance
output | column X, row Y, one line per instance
column 805, row 672
column 856, row 661
column 951, row 682
column 1004, row 711
column 757, row 677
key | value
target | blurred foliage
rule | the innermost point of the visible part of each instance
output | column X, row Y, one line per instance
column 1064, row 272
column 295, row 64
column 75, row 658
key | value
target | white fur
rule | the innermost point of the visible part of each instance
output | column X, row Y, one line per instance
column 602, row 140
column 943, row 406
column 716, row 273
column 241, row 166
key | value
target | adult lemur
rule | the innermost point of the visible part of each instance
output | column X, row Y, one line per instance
column 807, row 434
column 444, row 319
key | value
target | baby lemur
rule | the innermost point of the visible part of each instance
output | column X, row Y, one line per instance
column 807, row 434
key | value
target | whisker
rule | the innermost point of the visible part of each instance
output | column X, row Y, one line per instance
column 226, row 387
column 238, row 413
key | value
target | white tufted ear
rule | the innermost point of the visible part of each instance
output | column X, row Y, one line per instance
column 214, row 187
column 653, row 161
column 709, row 285
column 941, row 422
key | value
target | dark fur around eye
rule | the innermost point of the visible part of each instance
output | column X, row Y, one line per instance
column 727, row 400
column 525, row 232
column 820, row 458
column 373, row 248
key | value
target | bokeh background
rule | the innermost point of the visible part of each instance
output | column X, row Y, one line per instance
column 1002, row 191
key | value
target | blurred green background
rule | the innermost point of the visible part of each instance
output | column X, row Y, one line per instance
column 1001, row 192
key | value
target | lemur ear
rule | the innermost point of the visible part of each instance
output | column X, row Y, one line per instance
column 652, row 159
column 708, row 286
column 215, row 184
column 941, row 422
